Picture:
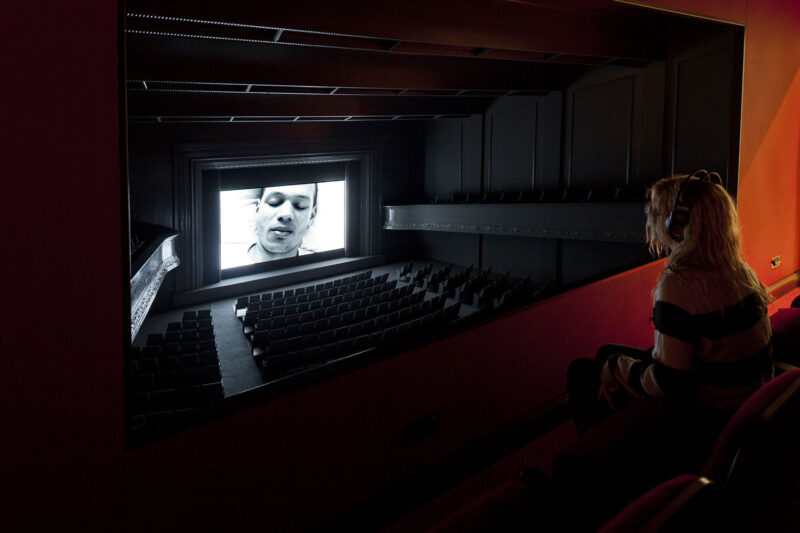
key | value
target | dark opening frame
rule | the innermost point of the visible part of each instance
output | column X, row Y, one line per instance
column 195, row 166
column 277, row 172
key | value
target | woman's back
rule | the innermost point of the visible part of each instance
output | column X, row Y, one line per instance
column 712, row 341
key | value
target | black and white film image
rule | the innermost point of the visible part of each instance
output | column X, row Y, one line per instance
column 264, row 224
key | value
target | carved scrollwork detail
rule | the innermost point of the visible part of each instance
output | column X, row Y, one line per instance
column 142, row 305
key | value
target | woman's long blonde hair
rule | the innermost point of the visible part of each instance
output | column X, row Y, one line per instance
column 711, row 239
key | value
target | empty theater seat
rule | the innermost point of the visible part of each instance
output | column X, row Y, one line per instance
column 756, row 458
column 755, row 468
column 684, row 504
column 356, row 313
column 786, row 335
column 173, row 383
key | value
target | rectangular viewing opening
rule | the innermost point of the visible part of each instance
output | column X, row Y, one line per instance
column 276, row 215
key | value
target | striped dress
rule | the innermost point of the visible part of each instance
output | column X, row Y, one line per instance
column 712, row 344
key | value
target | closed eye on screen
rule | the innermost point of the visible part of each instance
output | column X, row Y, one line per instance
column 277, row 200
column 274, row 200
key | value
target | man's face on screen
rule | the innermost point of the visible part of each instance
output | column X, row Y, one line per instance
column 283, row 217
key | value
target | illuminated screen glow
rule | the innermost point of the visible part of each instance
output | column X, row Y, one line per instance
column 265, row 224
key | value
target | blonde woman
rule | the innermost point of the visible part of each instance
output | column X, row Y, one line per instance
column 712, row 344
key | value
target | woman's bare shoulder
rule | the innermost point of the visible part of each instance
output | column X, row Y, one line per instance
column 683, row 288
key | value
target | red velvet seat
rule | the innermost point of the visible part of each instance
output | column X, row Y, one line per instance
column 757, row 459
column 786, row 335
column 755, row 465
column 680, row 504
column 751, row 422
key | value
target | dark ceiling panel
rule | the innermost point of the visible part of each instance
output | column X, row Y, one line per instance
column 409, row 47
column 154, row 103
column 514, row 55
column 610, row 31
column 327, row 40
column 289, row 89
column 156, row 25
column 162, row 58
column 579, row 60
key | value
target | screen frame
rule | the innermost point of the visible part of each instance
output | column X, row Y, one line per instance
column 193, row 204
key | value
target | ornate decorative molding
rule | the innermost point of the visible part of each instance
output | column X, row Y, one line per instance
column 597, row 222
column 146, row 282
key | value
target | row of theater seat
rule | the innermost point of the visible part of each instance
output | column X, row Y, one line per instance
column 311, row 292
column 574, row 194
column 472, row 287
column 282, row 315
column 340, row 317
column 303, row 352
column 174, row 377
column 335, row 319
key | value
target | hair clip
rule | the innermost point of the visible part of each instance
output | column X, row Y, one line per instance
column 705, row 175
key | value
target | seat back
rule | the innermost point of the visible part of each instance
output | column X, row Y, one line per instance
column 786, row 335
column 756, row 459
column 764, row 415
column 682, row 504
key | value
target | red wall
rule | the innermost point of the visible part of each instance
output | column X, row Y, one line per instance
column 62, row 459
column 61, row 398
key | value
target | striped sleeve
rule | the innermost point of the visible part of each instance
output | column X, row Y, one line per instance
column 676, row 334
column 670, row 374
column 641, row 379
column 622, row 371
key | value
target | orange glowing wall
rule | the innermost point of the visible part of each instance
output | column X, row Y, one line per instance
column 769, row 161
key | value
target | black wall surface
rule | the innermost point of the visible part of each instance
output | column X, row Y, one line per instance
column 601, row 131
column 613, row 127
column 704, row 130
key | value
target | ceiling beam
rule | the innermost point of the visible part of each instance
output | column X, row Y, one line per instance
column 163, row 58
column 153, row 103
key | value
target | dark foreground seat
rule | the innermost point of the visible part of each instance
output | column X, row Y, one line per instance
column 680, row 505
column 754, row 466
column 629, row 453
column 786, row 335
column 757, row 460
